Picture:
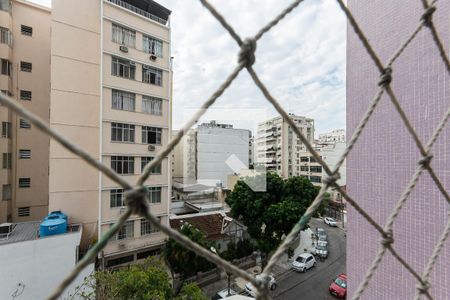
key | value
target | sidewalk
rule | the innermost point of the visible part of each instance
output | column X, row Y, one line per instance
column 305, row 242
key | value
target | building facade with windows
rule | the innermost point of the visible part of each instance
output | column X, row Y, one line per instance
column 111, row 97
column 278, row 148
column 337, row 135
column 25, row 76
column 330, row 154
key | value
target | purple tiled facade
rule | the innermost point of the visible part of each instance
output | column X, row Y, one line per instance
column 385, row 158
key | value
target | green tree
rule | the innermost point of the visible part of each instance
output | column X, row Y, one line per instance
column 270, row 215
column 147, row 280
column 184, row 261
column 191, row 291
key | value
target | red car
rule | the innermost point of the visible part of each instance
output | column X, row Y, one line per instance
column 338, row 287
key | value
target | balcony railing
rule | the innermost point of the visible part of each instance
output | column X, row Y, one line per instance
column 139, row 11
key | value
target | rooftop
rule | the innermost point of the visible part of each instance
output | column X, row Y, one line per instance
column 147, row 8
column 27, row 231
column 211, row 225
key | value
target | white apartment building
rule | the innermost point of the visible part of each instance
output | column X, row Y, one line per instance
column 337, row 135
column 330, row 154
column 278, row 148
column 110, row 94
column 203, row 156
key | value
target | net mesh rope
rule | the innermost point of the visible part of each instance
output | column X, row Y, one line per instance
column 135, row 196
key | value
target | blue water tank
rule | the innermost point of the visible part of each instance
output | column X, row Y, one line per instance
column 56, row 215
column 52, row 225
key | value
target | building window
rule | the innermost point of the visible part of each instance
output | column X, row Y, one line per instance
column 126, row 232
column 26, row 30
column 145, row 254
column 151, row 75
column 152, row 105
column 25, row 95
column 5, row 5
column 26, row 66
column 148, row 228
column 5, row 36
column 116, row 198
column 24, row 182
column 316, row 169
column 154, row 194
column 119, row 261
column 122, row 132
column 316, row 179
column 123, row 68
column 152, row 46
column 304, row 168
column 24, row 124
column 151, row 135
column 6, row 192
column 123, row 36
column 23, row 211
column 24, row 154
column 123, row 100
column 6, row 67
column 122, row 164
column 304, row 159
column 6, row 130
column 145, row 160
column 7, row 161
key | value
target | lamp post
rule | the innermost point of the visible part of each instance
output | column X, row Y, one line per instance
column 213, row 250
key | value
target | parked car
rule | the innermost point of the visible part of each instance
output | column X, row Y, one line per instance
column 330, row 221
column 320, row 232
column 322, row 249
column 251, row 290
column 303, row 262
column 338, row 287
column 223, row 294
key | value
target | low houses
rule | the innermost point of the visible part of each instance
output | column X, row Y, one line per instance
column 216, row 226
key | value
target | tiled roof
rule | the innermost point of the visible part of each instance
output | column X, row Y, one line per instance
column 210, row 225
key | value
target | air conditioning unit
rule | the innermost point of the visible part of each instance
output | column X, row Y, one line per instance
column 121, row 245
column 122, row 210
column 123, row 49
column 151, row 148
column 153, row 57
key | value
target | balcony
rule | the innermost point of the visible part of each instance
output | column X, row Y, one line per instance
column 160, row 15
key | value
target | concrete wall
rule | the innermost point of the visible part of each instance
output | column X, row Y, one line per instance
column 39, row 266
column 385, row 157
column 214, row 146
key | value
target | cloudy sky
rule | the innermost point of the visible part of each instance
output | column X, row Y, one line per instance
column 301, row 60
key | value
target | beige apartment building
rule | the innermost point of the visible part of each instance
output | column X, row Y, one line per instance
column 278, row 148
column 110, row 94
column 25, row 76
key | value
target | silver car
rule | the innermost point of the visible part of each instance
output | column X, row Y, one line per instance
column 322, row 249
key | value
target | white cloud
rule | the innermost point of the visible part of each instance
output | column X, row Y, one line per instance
column 301, row 60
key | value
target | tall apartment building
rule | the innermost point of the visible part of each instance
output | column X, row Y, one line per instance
column 337, row 135
column 25, row 76
column 278, row 148
column 203, row 156
column 384, row 159
column 330, row 154
column 111, row 79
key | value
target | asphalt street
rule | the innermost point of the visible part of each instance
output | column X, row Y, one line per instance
column 314, row 283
